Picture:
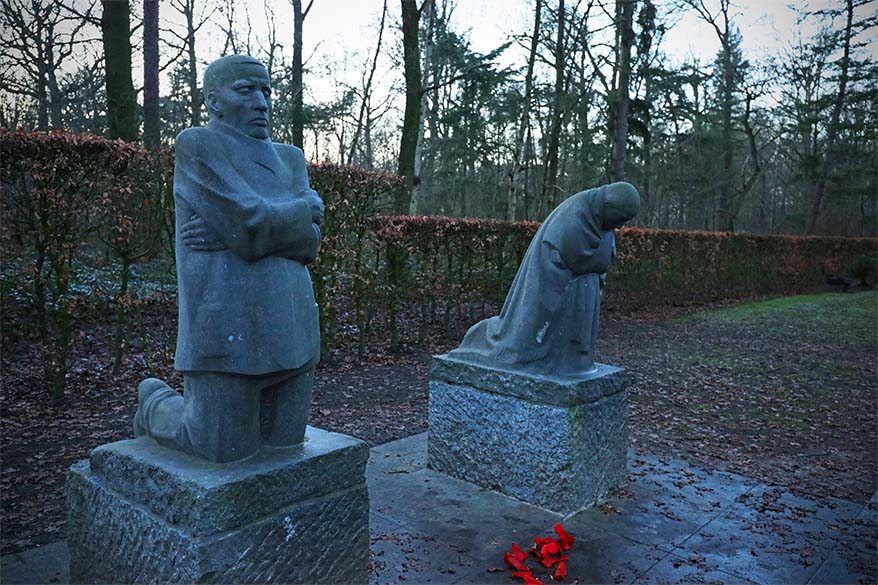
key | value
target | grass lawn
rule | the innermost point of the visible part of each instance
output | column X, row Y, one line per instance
column 782, row 390
column 830, row 319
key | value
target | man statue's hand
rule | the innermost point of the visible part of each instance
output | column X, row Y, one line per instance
column 198, row 236
column 317, row 207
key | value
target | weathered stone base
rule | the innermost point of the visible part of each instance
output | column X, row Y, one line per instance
column 557, row 443
column 141, row 513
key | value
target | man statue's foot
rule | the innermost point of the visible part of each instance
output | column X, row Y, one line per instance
column 144, row 390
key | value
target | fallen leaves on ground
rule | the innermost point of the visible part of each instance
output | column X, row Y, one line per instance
column 783, row 406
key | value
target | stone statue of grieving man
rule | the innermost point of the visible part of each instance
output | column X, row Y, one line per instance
column 247, row 226
column 549, row 322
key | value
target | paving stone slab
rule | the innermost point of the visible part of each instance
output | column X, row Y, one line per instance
column 595, row 557
column 400, row 554
column 398, row 457
column 855, row 560
column 838, row 570
column 674, row 569
column 44, row 565
column 727, row 543
column 428, row 528
column 677, row 480
column 478, row 521
column 664, row 502
column 773, row 535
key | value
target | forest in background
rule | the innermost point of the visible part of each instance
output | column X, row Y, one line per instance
column 783, row 145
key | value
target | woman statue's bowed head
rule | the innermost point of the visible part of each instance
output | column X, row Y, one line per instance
column 549, row 322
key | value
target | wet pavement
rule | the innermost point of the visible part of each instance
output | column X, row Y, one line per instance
column 671, row 524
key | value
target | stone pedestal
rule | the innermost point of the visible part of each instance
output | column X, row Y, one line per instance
column 558, row 443
column 141, row 513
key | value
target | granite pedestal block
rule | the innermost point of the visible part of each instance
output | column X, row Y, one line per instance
column 142, row 513
column 558, row 443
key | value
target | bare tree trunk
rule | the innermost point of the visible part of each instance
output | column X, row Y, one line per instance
column 296, row 86
column 42, row 103
column 724, row 213
column 228, row 10
column 56, row 98
column 750, row 181
column 36, row 37
column 362, row 118
column 367, row 143
column 419, row 146
column 271, row 37
column 832, row 131
column 121, row 100
column 194, row 94
column 513, row 210
column 151, row 114
column 624, row 22
column 408, row 144
column 550, row 176
column 647, row 190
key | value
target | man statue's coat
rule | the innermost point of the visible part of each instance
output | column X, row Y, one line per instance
column 247, row 309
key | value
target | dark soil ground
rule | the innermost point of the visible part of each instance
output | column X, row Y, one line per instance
column 782, row 391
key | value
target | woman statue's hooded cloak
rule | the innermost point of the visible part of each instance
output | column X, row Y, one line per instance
column 549, row 322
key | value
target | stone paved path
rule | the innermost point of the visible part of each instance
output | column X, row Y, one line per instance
column 672, row 524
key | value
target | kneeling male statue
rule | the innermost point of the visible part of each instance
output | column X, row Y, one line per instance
column 247, row 227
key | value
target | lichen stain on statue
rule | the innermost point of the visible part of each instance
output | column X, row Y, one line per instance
column 247, row 226
column 549, row 322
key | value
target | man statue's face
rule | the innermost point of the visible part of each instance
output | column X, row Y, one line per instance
column 243, row 101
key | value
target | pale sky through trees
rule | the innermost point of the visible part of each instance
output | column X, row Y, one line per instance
column 777, row 119
column 340, row 30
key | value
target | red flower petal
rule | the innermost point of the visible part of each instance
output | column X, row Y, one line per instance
column 518, row 553
column 539, row 541
column 564, row 539
column 550, row 548
column 514, row 562
column 528, row 578
column 548, row 561
column 560, row 571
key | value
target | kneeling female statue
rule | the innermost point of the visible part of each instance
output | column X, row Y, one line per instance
column 549, row 322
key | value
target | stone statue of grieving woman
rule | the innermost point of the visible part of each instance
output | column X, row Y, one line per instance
column 549, row 322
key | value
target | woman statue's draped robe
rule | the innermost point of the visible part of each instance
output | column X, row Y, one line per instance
column 549, row 322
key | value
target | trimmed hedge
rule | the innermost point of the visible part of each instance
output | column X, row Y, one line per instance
column 67, row 195
column 468, row 263
column 672, row 266
column 61, row 193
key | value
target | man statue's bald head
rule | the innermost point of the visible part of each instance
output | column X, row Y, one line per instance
column 237, row 92
column 223, row 71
